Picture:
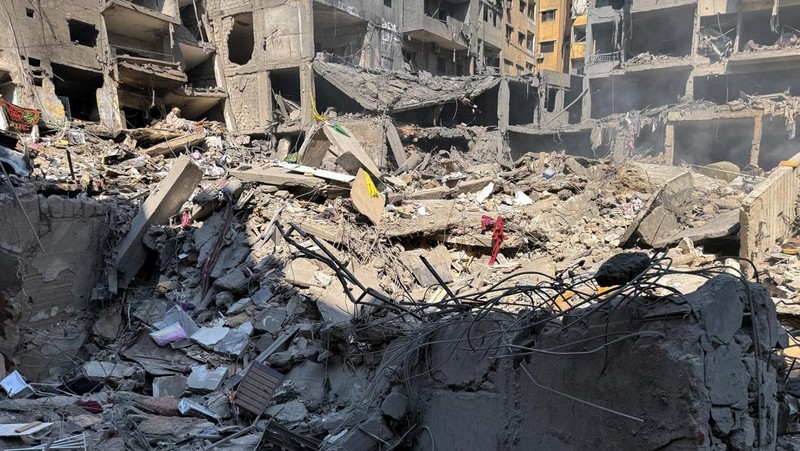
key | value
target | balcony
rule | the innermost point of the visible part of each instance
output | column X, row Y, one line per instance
column 604, row 58
column 137, row 22
column 444, row 33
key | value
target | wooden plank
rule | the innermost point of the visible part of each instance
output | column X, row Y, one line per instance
column 277, row 176
column 175, row 144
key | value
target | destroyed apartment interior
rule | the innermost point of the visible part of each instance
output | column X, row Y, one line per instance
column 374, row 225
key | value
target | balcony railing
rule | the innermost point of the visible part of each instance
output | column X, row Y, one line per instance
column 604, row 58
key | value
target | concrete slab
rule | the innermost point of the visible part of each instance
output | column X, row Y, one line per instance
column 169, row 386
column 204, row 379
column 160, row 205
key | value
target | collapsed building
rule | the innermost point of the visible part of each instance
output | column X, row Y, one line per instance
column 419, row 225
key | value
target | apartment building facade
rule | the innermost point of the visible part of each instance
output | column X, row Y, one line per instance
column 116, row 62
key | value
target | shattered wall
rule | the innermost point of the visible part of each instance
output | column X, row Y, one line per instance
column 280, row 36
column 45, row 295
column 638, row 373
column 40, row 36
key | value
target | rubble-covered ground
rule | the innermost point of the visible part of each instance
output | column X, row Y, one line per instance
column 239, row 293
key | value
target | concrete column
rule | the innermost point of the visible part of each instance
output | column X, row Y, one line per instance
column 757, row 132
column 503, row 105
column 738, row 33
column 669, row 143
column 264, row 99
column 586, row 102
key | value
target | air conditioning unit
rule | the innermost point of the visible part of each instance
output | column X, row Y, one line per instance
column 436, row 48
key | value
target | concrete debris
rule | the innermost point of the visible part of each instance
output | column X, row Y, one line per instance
column 169, row 386
column 203, row 379
column 412, row 235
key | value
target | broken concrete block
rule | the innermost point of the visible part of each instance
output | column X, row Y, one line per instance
column 238, row 307
column 576, row 168
column 724, row 225
column 722, row 420
column 300, row 272
column 622, row 268
column 203, row 379
column 347, row 382
column 363, row 436
column 108, row 323
column 309, row 377
column 176, row 145
column 658, row 227
column 235, row 341
column 484, row 193
column 234, row 280
column 439, row 259
column 159, row 206
column 98, row 371
column 207, row 337
column 726, row 377
column 262, row 297
column 224, row 299
column 333, row 304
column 722, row 170
column 271, row 320
column 169, row 386
column 395, row 405
column 290, row 412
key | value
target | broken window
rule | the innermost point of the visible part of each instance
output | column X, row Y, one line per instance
column 577, row 67
column 757, row 34
column 717, row 35
column 241, row 39
column 441, row 65
column 551, row 99
column 529, row 42
column 28, row 12
column 509, row 32
column 82, row 33
column 522, row 6
column 548, row 16
column 547, row 47
column 663, row 32
column 579, row 34
column 532, row 12
column 387, row 3
column 437, row 9
column 285, row 84
column 485, row 10
column 77, row 90
column 520, row 39
column 615, row 4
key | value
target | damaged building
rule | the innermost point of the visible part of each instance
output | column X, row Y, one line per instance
column 399, row 224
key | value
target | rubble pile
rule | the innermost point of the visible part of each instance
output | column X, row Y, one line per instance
column 250, row 299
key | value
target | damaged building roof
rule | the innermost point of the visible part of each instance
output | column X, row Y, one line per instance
column 397, row 91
